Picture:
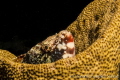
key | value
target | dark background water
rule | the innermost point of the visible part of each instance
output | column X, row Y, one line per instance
column 25, row 23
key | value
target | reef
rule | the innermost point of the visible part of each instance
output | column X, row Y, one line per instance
column 96, row 33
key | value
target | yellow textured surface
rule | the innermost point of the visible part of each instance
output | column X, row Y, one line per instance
column 97, row 40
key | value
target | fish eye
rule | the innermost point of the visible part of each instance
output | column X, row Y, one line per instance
column 46, row 47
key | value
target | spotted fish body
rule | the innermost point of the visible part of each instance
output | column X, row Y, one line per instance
column 55, row 47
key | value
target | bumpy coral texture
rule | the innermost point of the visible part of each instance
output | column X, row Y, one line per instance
column 96, row 33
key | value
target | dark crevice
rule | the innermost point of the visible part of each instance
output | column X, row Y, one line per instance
column 90, row 36
column 96, row 17
column 84, row 22
column 97, row 28
column 99, row 15
column 78, row 27
column 114, row 8
column 96, row 36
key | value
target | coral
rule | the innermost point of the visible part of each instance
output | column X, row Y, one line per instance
column 96, row 32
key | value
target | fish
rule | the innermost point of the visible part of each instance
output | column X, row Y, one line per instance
column 59, row 46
